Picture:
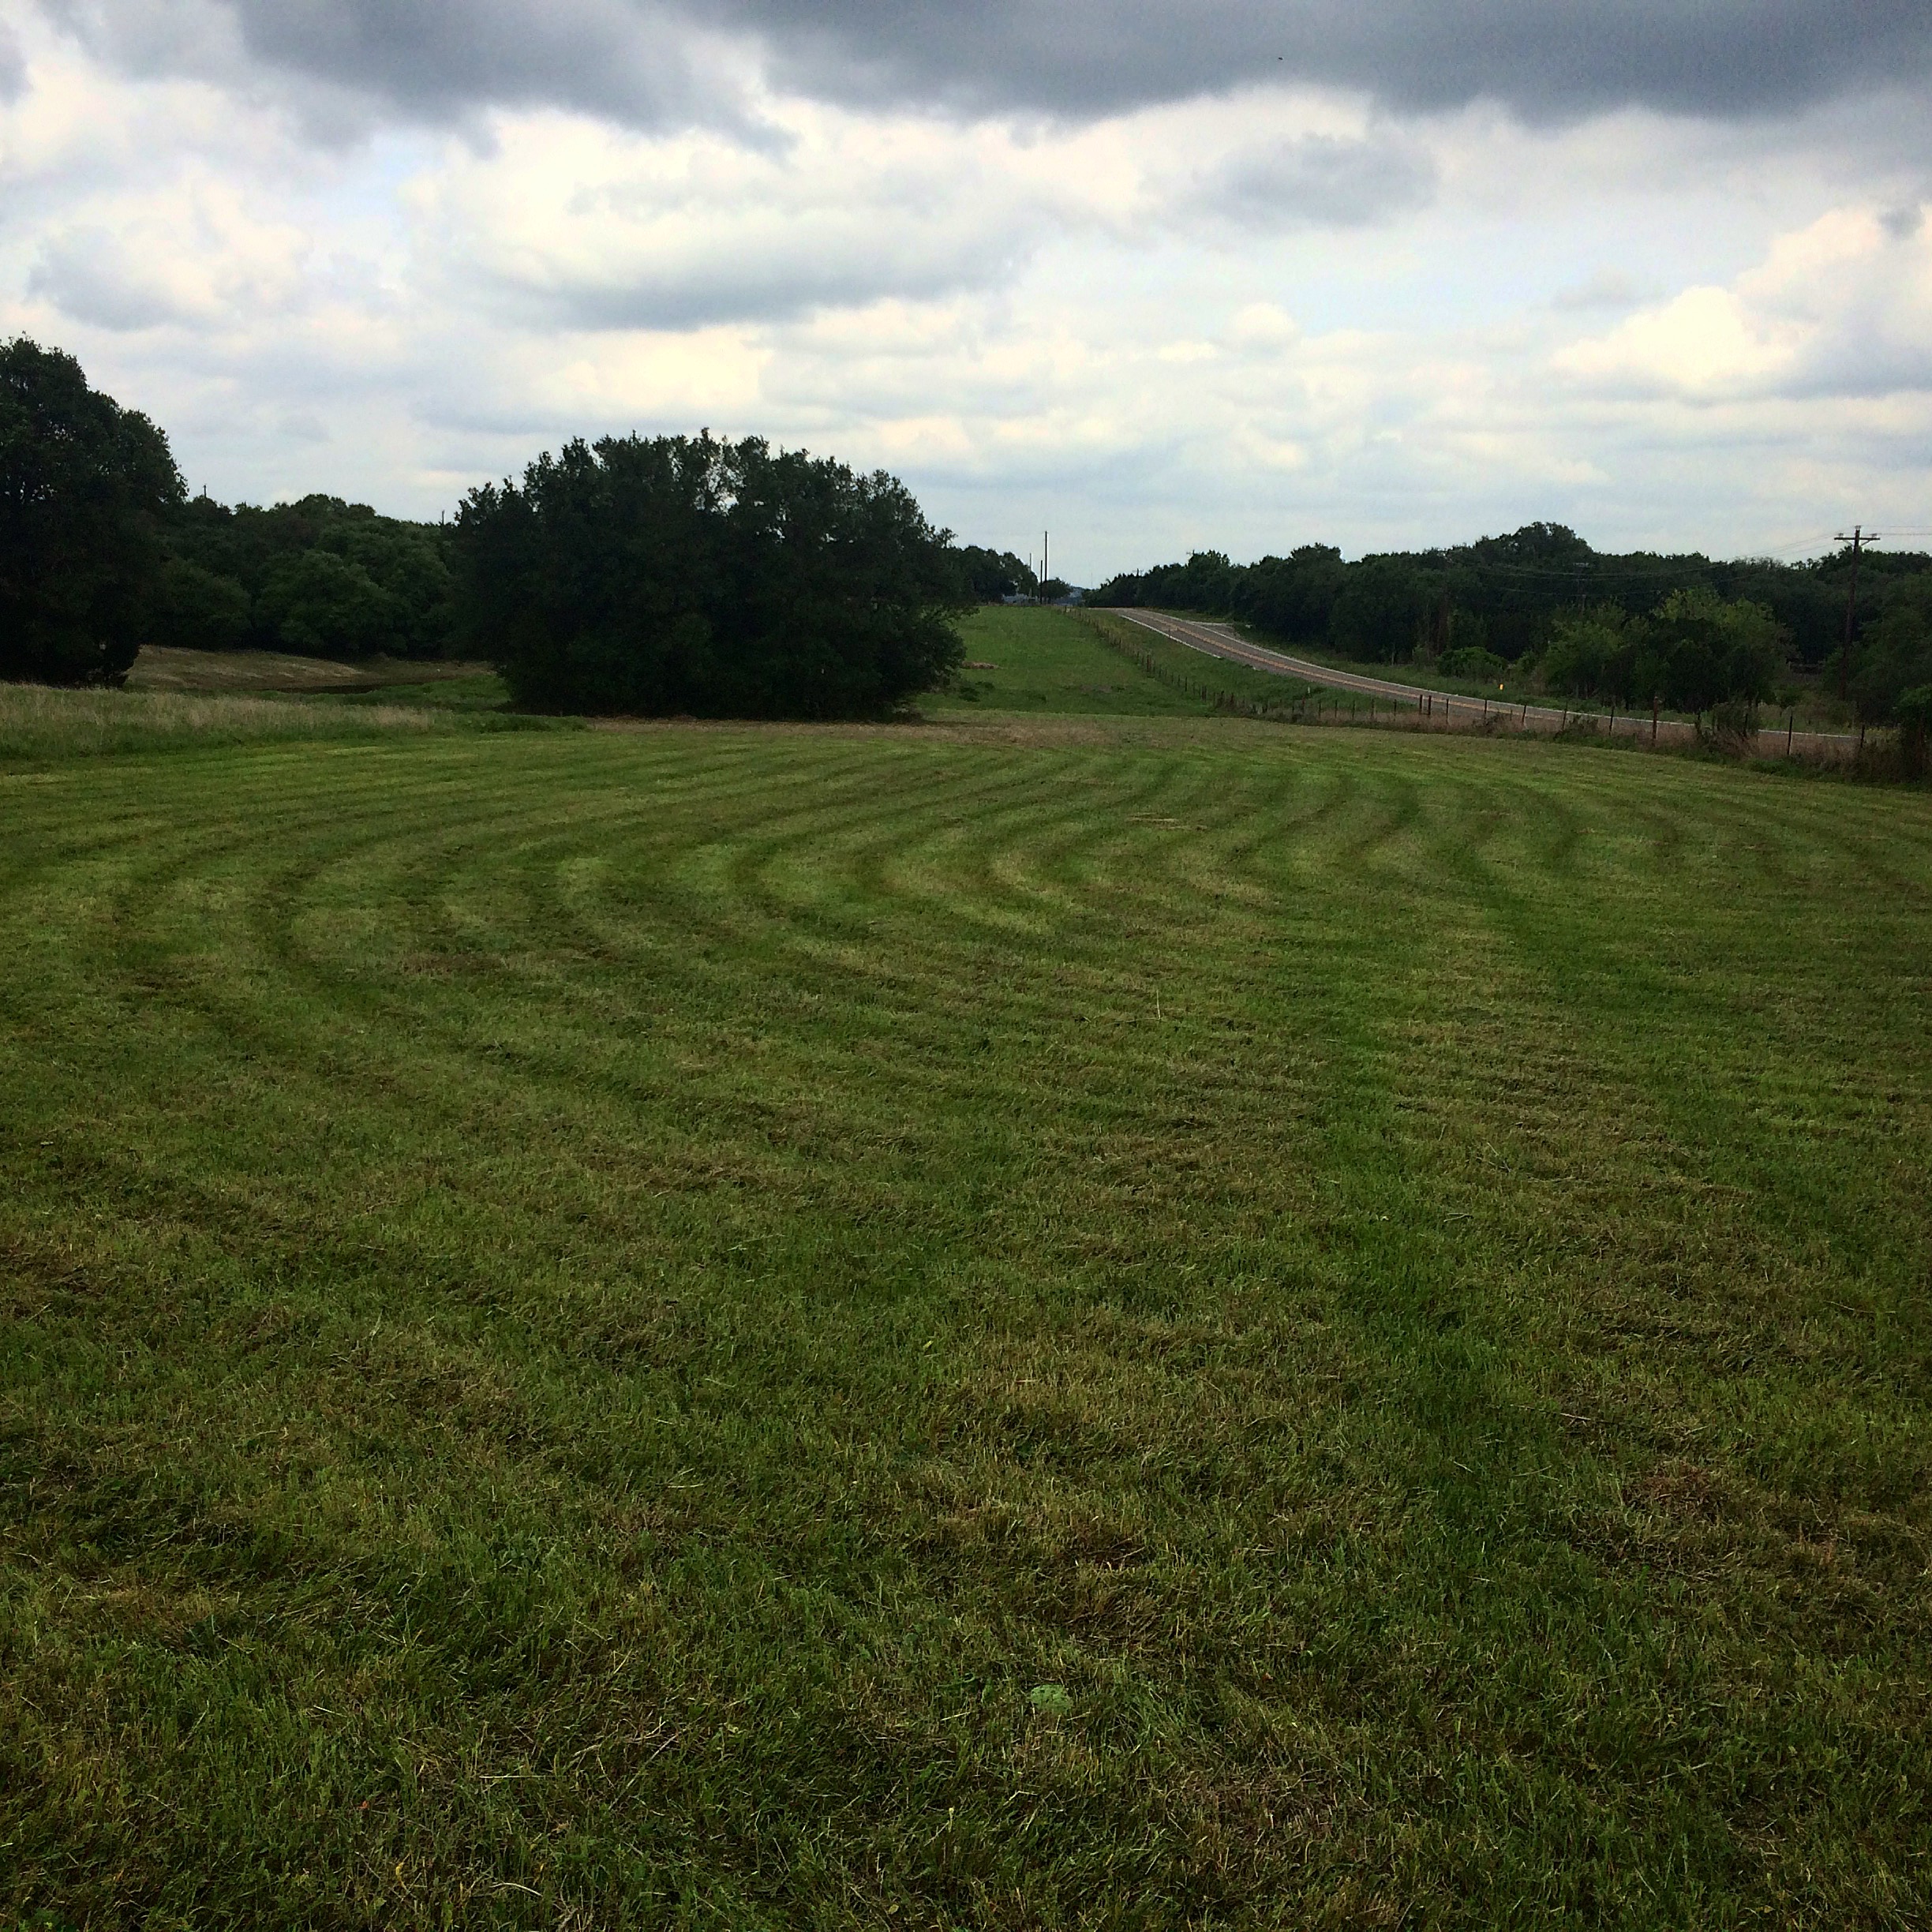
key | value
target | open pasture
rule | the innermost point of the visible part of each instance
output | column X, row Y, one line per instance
column 1136, row 1322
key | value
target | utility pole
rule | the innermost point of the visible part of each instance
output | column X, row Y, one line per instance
column 1859, row 538
column 1045, row 573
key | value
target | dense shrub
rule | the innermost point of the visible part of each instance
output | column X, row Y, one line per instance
column 1593, row 653
column 676, row 574
column 1471, row 660
column 1913, row 713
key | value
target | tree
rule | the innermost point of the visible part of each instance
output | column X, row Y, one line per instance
column 1294, row 595
column 1897, row 656
column 83, row 486
column 197, row 609
column 1913, row 714
column 679, row 573
column 411, row 614
column 991, row 575
column 1703, row 652
column 318, row 604
column 1384, row 606
column 1593, row 652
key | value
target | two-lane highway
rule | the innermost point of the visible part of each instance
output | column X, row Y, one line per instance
column 1448, row 710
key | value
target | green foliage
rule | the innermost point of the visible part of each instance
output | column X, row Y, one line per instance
column 1383, row 610
column 1897, row 656
column 1702, row 651
column 1519, row 589
column 992, row 574
column 83, row 486
column 1471, row 660
column 681, row 575
column 586, row 1319
column 1293, row 597
column 1912, row 712
column 1593, row 652
column 195, row 609
column 318, row 604
column 318, row 576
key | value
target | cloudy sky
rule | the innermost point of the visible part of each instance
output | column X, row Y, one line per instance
column 1157, row 273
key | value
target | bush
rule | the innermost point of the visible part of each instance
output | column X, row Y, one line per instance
column 1701, row 652
column 1471, row 660
column 1896, row 658
column 1593, row 653
column 678, row 574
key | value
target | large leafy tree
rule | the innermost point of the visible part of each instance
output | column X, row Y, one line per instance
column 991, row 575
column 84, row 487
column 1705, row 651
column 679, row 573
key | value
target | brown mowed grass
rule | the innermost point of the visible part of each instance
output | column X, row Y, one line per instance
column 163, row 667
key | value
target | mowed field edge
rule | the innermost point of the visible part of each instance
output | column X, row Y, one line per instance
column 1151, row 1321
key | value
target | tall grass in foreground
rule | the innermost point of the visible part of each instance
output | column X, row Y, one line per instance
column 36, row 722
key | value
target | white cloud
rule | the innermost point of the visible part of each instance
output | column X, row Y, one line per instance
column 1704, row 342
column 1843, row 305
column 1278, row 315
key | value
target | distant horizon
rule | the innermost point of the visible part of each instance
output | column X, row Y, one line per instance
column 1920, row 543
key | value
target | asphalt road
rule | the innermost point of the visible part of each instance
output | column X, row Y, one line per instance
column 1447, row 711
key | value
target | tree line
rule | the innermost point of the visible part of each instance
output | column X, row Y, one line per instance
column 698, row 575
column 102, row 549
column 666, row 574
column 1687, row 630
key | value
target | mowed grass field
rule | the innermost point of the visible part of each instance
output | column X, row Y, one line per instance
column 1015, row 1322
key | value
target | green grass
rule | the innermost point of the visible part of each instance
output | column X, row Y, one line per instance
column 1049, row 663
column 1149, row 1323
column 1058, row 663
column 1220, row 683
column 38, row 723
column 479, row 691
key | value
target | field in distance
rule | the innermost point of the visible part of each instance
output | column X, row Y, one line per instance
column 1158, row 1321
column 1043, row 661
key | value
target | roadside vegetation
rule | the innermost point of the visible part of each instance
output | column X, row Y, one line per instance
column 1540, row 614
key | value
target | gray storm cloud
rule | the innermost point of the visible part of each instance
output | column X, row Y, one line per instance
column 13, row 66
column 633, row 59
